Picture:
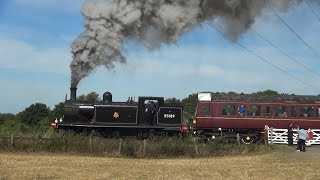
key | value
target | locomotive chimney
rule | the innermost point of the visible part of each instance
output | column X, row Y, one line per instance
column 73, row 93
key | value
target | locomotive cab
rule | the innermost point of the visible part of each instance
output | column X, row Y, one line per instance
column 148, row 109
column 154, row 112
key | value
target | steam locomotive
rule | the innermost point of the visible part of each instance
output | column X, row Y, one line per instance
column 150, row 116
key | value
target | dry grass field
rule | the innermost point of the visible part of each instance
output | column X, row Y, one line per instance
column 292, row 165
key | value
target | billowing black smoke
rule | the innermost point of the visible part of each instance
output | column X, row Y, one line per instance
column 109, row 23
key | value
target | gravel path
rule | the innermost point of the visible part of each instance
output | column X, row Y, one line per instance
column 312, row 152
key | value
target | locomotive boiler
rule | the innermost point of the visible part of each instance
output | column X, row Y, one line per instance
column 149, row 116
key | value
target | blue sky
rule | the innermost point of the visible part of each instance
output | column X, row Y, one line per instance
column 35, row 53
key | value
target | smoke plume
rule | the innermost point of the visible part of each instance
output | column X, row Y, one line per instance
column 110, row 23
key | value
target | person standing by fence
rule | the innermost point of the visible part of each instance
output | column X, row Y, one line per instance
column 303, row 137
column 290, row 135
column 310, row 137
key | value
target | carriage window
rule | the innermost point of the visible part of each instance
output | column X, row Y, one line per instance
column 228, row 110
column 318, row 112
column 306, row 111
column 280, row 111
column 266, row 111
column 254, row 110
column 293, row 112
column 206, row 110
column 241, row 110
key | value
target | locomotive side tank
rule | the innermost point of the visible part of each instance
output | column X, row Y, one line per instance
column 148, row 117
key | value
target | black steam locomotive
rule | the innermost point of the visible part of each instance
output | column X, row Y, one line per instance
column 150, row 116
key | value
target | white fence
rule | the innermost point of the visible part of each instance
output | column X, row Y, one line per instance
column 280, row 136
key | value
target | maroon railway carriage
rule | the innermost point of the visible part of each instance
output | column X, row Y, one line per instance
column 247, row 120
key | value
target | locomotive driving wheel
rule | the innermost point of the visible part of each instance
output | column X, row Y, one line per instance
column 115, row 134
column 247, row 139
column 144, row 135
column 106, row 133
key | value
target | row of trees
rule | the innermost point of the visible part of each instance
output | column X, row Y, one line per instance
column 38, row 116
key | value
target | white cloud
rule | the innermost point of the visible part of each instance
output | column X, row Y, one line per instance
column 177, row 70
column 32, row 74
column 61, row 5
column 19, row 55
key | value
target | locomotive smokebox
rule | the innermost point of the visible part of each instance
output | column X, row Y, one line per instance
column 107, row 97
column 73, row 93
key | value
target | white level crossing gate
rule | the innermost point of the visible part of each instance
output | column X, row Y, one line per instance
column 280, row 136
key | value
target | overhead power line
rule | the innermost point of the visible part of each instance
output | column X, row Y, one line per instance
column 314, row 12
column 301, row 39
column 286, row 54
column 263, row 59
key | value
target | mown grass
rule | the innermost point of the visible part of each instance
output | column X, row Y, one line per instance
column 66, row 166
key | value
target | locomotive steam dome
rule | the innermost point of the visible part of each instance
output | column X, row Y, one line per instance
column 107, row 97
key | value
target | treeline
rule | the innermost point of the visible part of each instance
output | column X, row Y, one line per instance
column 34, row 119
column 37, row 117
